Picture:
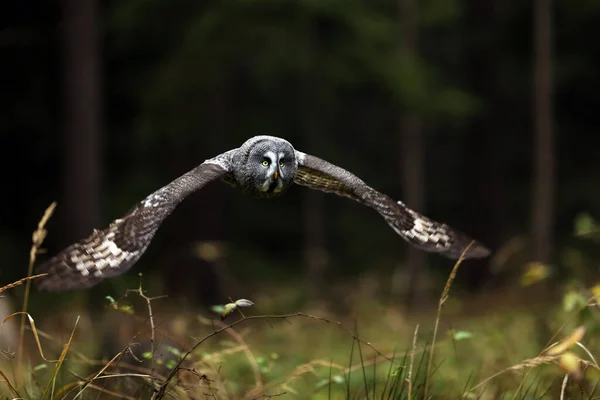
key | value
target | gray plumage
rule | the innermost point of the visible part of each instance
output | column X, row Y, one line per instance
column 264, row 167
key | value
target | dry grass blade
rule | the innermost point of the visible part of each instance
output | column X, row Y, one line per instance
column 546, row 359
column 443, row 298
column 249, row 355
column 307, row 368
column 10, row 386
column 566, row 344
column 95, row 387
column 37, row 239
column 160, row 393
column 111, row 393
column 573, row 338
column 104, row 368
column 589, row 353
column 33, row 329
column 563, row 387
column 20, row 282
column 529, row 363
column 412, row 360
column 63, row 354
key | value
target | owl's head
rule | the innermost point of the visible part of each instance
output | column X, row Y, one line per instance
column 266, row 166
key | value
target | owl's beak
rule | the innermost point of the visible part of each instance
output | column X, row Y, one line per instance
column 276, row 175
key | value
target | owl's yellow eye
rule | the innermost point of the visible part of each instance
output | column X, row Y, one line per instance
column 281, row 163
column 265, row 163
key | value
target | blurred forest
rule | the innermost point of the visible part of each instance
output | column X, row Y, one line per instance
column 478, row 113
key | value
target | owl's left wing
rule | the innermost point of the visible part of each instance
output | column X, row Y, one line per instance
column 114, row 250
column 413, row 227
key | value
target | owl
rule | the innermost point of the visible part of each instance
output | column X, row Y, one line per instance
column 263, row 167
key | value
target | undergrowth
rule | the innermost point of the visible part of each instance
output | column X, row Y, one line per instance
column 310, row 354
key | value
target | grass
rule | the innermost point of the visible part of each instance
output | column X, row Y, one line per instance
column 141, row 347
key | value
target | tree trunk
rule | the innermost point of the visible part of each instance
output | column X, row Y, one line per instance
column 81, row 134
column 485, row 176
column 315, row 255
column 209, row 280
column 313, row 205
column 313, row 211
column 543, row 185
column 411, row 159
column 412, row 169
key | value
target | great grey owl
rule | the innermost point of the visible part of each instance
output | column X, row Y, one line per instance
column 264, row 166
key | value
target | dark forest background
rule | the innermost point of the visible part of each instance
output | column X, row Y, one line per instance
column 479, row 113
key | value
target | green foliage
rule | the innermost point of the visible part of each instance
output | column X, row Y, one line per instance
column 496, row 353
column 461, row 335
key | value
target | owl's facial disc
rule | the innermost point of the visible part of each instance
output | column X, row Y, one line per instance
column 275, row 178
column 269, row 167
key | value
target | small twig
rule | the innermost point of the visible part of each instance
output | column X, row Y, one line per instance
column 148, row 300
column 202, row 378
column 269, row 396
column 443, row 298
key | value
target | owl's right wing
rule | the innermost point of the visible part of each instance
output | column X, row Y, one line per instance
column 116, row 249
column 413, row 227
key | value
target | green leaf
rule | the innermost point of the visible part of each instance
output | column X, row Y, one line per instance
column 322, row 383
column 147, row 354
column 584, row 224
column 40, row 367
column 227, row 310
column 173, row 350
column 573, row 300
column 126, row 309
column 218, row 308
column 461, row 335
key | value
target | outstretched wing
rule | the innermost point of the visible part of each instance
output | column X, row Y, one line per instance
column 114, row 250
column 413, row 227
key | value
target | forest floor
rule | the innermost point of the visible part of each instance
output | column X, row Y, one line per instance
column 486, row 347
column 524, row 341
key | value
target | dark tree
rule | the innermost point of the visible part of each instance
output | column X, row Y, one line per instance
column 313, row 208
column 411, row 150
column 81, row 134
column 543, row 178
